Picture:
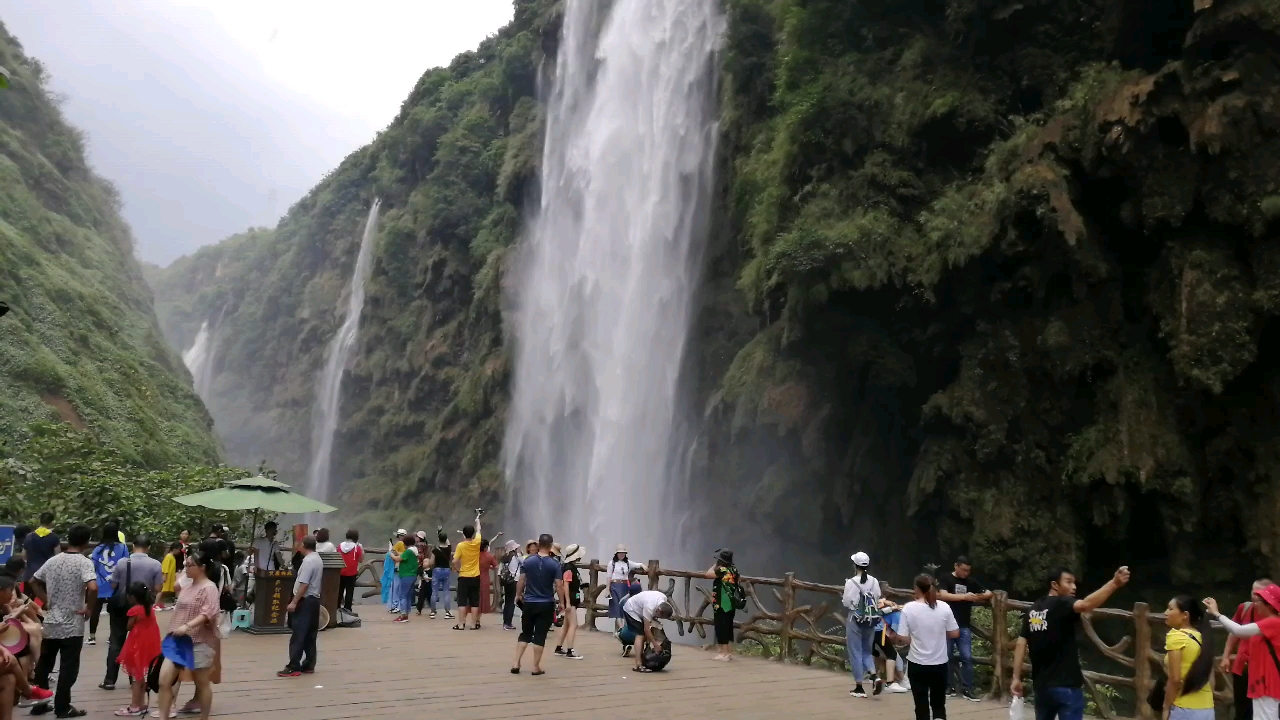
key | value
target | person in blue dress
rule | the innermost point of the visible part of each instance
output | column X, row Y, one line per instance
column 109, row 551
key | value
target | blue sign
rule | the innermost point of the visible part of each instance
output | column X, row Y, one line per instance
column 6, row 543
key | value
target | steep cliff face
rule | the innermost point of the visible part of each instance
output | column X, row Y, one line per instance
column 81, row 343
column 989, row 277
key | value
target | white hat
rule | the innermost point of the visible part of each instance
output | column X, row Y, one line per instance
column 621, row 548
column 573, row 553
column 422, row 534
column 401, row 531
column 860, row 559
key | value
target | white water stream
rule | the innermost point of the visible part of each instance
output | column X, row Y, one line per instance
column 609, row 275
column 199, row 360
column 324, row 415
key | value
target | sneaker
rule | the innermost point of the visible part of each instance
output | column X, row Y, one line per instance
column 897, row 688
column 308, row 671
column 968, row 695
column 433, row 615
column 91, row 640
column 559, row 650
column 951, row 693
column 508, row 627
column 877, row 686
column 571, row 655
column 401, row 619
column 449, row 616
column 289, row 672
column 626, row 650
column 38, row 694
column 191, row 708
column 393, row 610
column 858, row 692
column 130, row 712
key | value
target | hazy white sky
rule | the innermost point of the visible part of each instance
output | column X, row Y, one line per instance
column 215, row 115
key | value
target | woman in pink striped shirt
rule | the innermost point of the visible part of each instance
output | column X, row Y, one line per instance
column 195, row 616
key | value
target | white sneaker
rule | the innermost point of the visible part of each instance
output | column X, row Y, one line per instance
column 897, row 688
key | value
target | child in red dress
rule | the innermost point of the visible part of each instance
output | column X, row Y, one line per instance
column 141, row 647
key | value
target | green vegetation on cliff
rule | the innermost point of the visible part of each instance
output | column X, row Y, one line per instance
column 81, row 343
column 990, row 276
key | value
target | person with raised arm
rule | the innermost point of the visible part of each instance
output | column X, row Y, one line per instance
column 1264, row 655
column 1239, row 653
column 466, row 563
column 1049, row 631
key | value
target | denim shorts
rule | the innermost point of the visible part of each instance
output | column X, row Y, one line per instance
column 1181, row 713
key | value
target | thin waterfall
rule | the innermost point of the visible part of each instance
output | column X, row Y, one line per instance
column 199, row 360
column 609, row 271
column 324, row 416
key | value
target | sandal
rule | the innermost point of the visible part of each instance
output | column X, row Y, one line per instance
column 643, row 669
column 104, row 685
column 515, row 671
column 458, row 627
column 538, row 672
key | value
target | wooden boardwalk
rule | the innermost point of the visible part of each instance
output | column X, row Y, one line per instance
column 426, row 670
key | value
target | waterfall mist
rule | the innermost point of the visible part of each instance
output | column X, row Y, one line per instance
column 324, row 414
column 595, row 452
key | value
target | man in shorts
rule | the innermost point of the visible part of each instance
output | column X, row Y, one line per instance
column 538, row 589
column 466, row 563
column 640, row 611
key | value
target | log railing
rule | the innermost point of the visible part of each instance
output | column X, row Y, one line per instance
column 798, row 621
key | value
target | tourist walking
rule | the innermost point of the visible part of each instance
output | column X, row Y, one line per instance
column 304, row 612
column 1049, row 633
column 441, row 572
column 407, row 575
column 1264, row 676
column 540, row 587
column 466, row 562
column 194, row 641
column 508, row 573
column 40, row 545
column 961, row 590
column 104, row 557
column 641, row 611
column 620, row 572
column 927, row 624
column 571, row 576
column 1238, row 652
column 141, row 646
column 862, row 599
column 64, row 583
column 138, row 567
column 1188, row 692
column 488, row 563
column 352, row 555
column 728, row 598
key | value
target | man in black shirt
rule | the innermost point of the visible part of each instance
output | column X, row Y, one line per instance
column 961, row 590
column 1050, row 630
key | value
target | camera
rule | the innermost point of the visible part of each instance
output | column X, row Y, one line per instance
column 479, row 512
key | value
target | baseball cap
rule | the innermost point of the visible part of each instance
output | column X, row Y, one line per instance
column 401, row 531
column 860, row 559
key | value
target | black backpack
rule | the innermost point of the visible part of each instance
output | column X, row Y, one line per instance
column 657, row 659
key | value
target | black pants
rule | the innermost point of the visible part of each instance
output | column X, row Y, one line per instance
column 536, row 621
column 724, row 626
column 346, row 591
column 508, row 603
column 424, row 591
column 1240, row 689
column 95, row 613
column 119, row 631
column 929, row 689
column 305, row 622
column 68, row 668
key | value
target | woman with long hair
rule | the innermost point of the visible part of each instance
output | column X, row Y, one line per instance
column 196, row 617
column 927, row 623
column 620, row 571
column 1188, row 694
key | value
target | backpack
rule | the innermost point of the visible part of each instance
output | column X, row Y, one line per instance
column 729, row 585
column 504, row 570
column 865, row 611
column 657, row 659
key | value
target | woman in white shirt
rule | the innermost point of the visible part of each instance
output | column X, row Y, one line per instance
column 927, row 623
column 621, row 570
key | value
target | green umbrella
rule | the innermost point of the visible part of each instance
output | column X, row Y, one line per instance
column 255, row 493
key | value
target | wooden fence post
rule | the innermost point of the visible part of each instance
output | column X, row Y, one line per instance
column 999, row 638
column 653, row 574
column 1142, row 680
column 591, row 604
column 784, row 632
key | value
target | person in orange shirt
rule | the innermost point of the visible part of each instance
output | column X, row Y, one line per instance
column 466, row 564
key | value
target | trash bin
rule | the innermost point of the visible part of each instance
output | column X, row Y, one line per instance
column 330, row 581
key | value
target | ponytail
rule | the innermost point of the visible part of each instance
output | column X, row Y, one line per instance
column 928, row 588
column 1201, row 670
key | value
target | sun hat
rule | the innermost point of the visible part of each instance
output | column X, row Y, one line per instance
column 422, row 534
column 511, row 545
column 621, row 548
column 1271, row 595
column 724, row 556
column 13, row 637
column 860, row 559
column 401, row 531
column 555, row 549
column 573, row 553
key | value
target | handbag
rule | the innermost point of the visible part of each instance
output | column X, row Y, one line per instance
column 118, row 604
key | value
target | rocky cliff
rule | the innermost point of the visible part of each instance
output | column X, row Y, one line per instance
column 989, row 276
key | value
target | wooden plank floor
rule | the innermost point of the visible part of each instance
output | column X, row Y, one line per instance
column 425, row 669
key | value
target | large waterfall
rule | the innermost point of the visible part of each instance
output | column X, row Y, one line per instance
column 199, row 360
column 609, row 276
column 324, row 415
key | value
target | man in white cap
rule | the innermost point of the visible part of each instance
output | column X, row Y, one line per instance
column 862, row 599
column 573, row 586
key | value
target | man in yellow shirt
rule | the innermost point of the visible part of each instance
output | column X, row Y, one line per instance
column 466, row 564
